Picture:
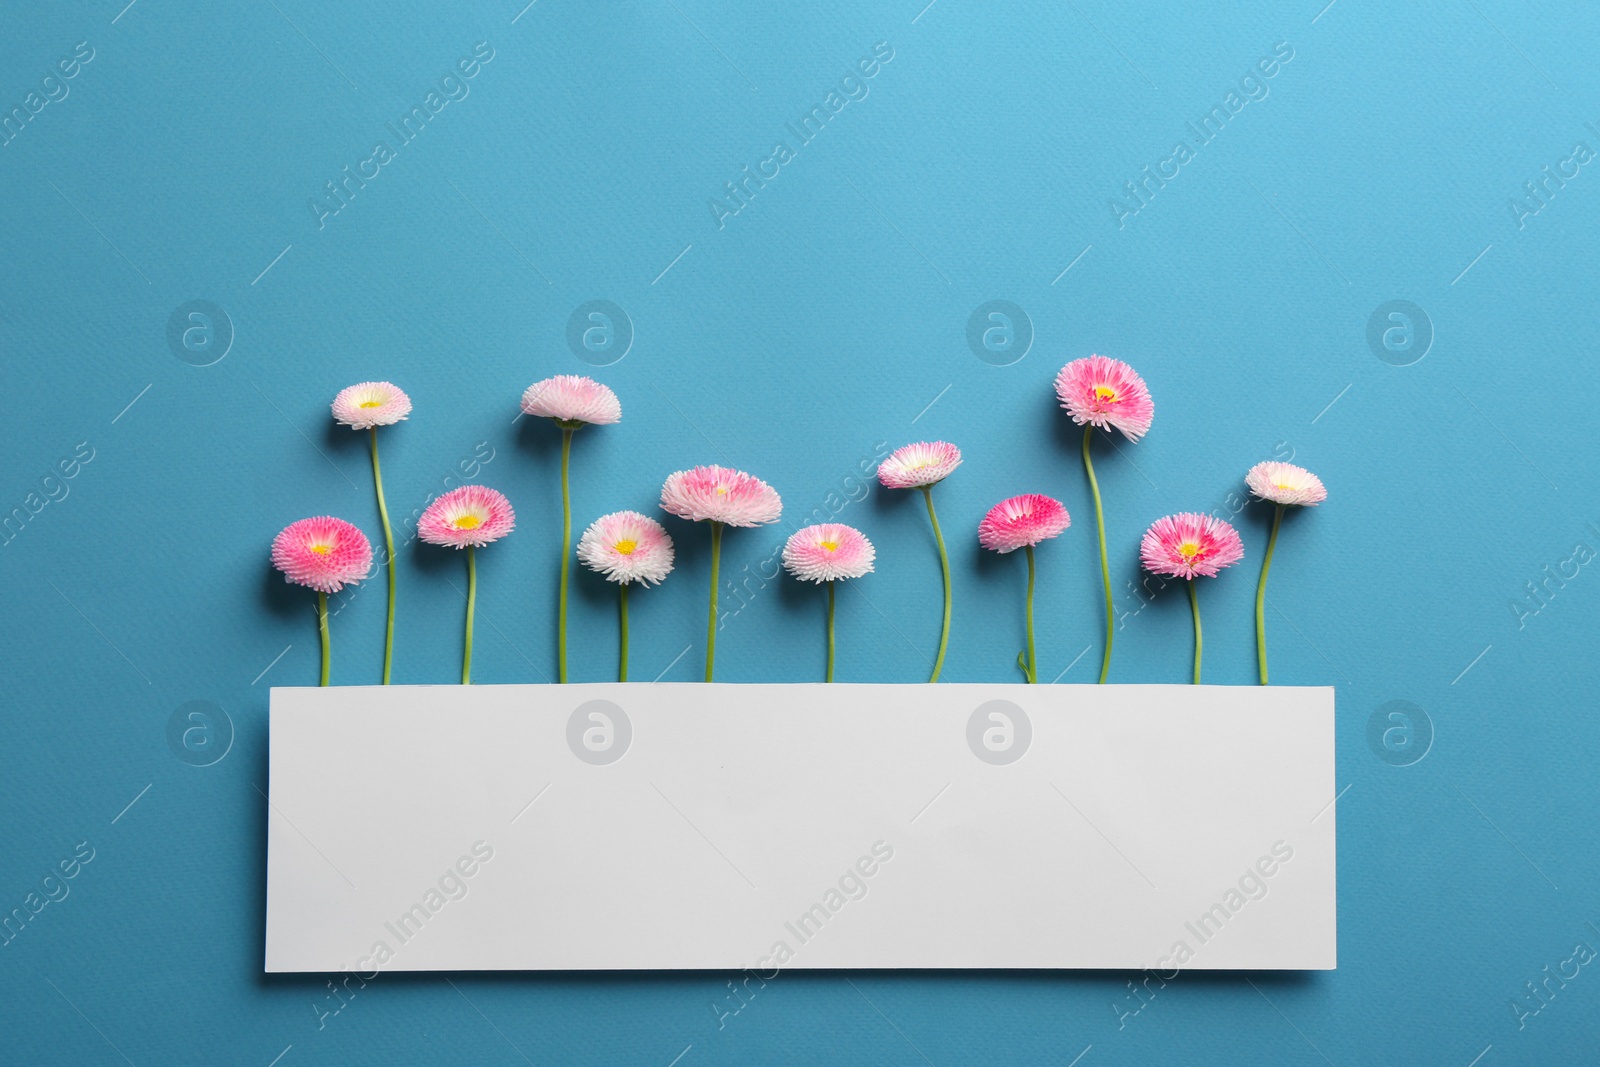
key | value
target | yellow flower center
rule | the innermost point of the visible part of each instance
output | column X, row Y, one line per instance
column 322, row 550
column 468, row 522
column 372, row 403
column 831, row 546
column 1282, row 486
column 722, row 490
column 1105, row 392
column 626, row 547
column 1189, row 550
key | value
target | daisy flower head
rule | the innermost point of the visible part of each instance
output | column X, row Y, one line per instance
column 572, row 400
column 369, row 404
column 1188, row 545
column 625, row 547
column 828, row 552
column 1284, row 483
column 1106, row 393
column 322, row 553
column 720, row 494
column 917, row 465
column 1022, row 522
column 469, row 516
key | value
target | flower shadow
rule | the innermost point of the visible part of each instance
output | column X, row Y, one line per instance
column 436, row 559
column 541, row 437
column 341, row 439
column 1004, row 578
column 594, row 588
column 280, row 596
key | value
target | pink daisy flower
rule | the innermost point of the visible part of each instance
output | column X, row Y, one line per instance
column 572, row 402
column 468, row 517
column 1102, row 393
column 571, row 399
column 916, row 465
column 366, row 407
column 1022, row 522
column 325, row 554
column 1188, row 545
column 322, row 553
column 369, row 404
column 625, row 547
column 828, row 552
column 1105, row 392
column 1284, row 483
column 922, row 466
column 722, row 495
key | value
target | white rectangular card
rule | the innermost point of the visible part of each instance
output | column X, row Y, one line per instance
column 639, row 826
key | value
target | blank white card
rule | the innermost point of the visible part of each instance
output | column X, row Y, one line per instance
column 640, row 826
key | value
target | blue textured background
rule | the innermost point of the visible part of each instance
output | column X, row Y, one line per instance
column 824, row 319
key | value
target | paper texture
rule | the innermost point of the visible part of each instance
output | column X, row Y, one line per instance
column 609, row 826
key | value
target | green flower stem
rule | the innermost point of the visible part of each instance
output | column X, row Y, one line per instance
column 830, row 632
column 566, row 552
column 472, row 602
column 322, row 631
column 388, row 542
column 1105, row 566
column 711, row 626
column 622, row 658
column 1261, row 596
column 944, row 564
column 1033, row 663
column 1194, row 607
